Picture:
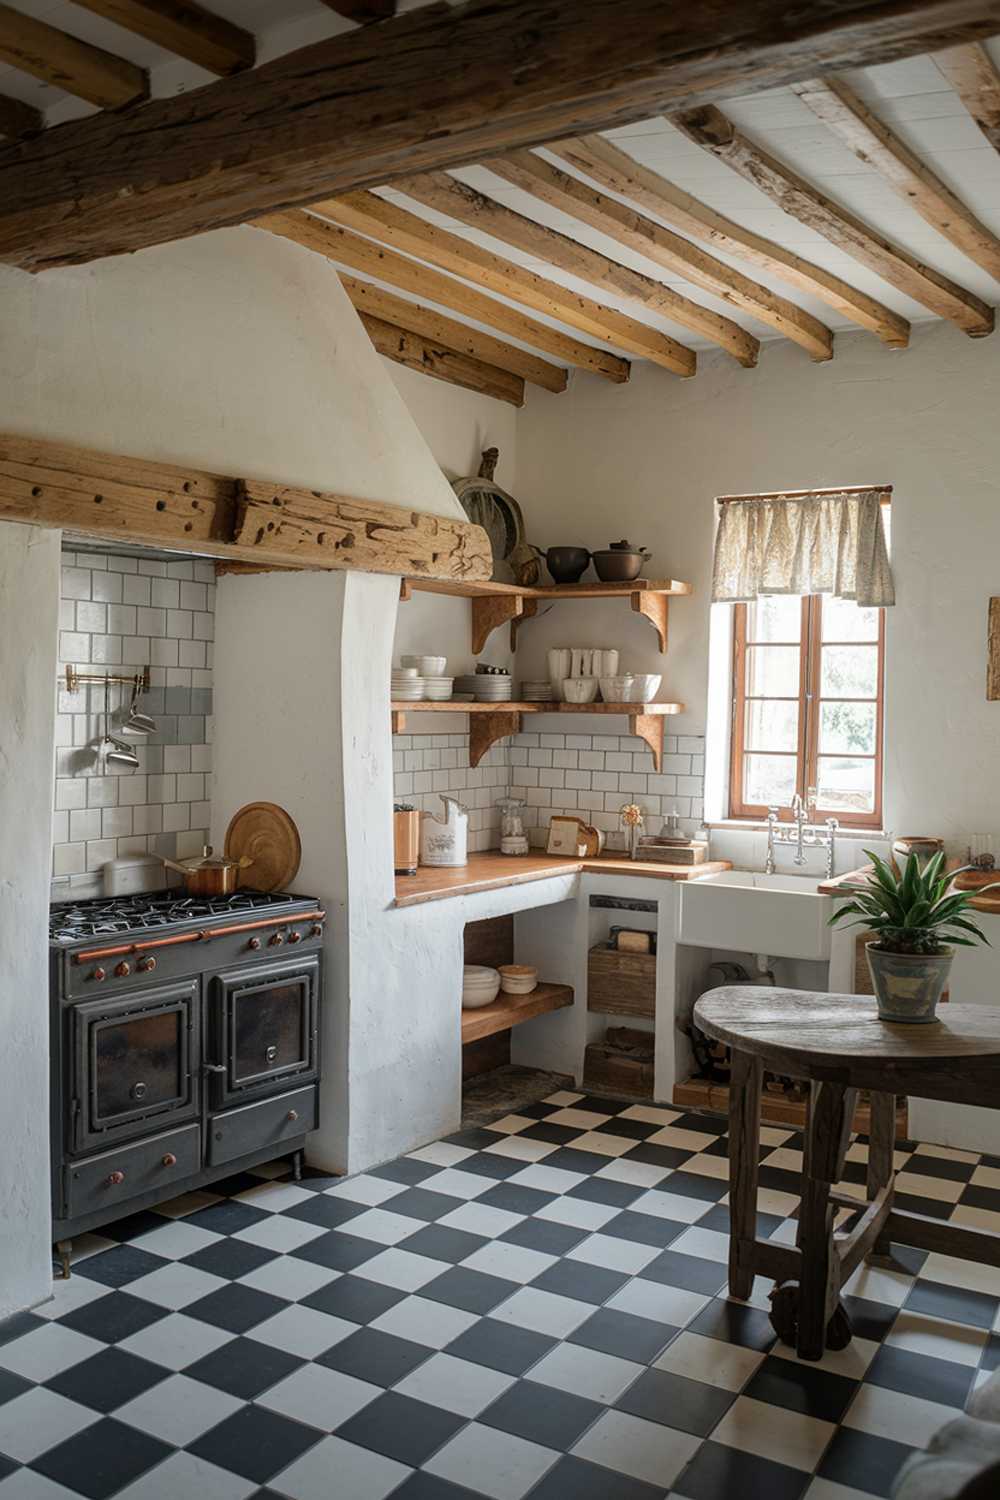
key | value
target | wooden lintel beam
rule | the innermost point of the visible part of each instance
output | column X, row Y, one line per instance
column 406, row 231
column 357, row 254
column 710, row 128
column 449, row 196
column 375, row 302
column 182, row 27
column 364, row 12
column 435, row 359
column 973, row 74
column 18, row 118
column 116, row 498
column 871, row 140
column 526, row 170
column 77, row 67
column 620, row 173
column 434, row 88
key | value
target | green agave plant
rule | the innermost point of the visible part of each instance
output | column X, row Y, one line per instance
column 915, row 912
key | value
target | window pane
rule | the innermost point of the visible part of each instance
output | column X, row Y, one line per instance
column 849, row 672
column 843, row 620
column 769, row 779
column 773, row 671
column 776, row 617
column 846, row 784
column 773, row 726
column 846, row 727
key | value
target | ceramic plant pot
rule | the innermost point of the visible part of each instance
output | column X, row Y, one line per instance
column 908, row 986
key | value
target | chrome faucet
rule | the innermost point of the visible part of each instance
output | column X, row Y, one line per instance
column 803, row 836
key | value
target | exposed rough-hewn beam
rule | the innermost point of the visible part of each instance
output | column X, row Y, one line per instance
column 112, row 497
column 431, row 89
column 449, row 196
column 436, row 330
column 363, row 11
column 839, row 107
column 18, row 118
column 428, row 358
column 710, row 128
column 526, row 170
column 55, row 57
column 405, row 231
column 620, row 173
column 972, row 72
column 362, row 255
column 183, row 27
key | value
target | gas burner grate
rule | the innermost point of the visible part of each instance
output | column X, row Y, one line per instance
column 102, row 916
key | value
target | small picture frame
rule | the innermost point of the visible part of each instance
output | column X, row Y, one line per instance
column 565, row 838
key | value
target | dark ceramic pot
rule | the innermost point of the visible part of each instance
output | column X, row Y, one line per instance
column 616, row 566
column 567, row 564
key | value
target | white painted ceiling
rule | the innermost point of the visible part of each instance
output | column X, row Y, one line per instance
column 911, row 96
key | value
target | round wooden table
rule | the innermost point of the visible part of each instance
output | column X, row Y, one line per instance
column 838, row 1044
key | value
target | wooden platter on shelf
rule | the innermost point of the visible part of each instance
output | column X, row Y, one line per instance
column 265, row 834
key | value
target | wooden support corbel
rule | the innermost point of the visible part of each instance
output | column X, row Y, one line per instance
column 529, row 608
column 491, row 610
column 649, row 727
column 405, row 591
column 655, row 607
column 398, row 721
column 486, row 729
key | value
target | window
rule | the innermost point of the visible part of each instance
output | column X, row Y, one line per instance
column 807, row 708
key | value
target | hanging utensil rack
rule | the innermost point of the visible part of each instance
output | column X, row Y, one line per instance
column 74, row 678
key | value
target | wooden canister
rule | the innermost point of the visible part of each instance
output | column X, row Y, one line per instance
column 924, row 846
column 406, row 840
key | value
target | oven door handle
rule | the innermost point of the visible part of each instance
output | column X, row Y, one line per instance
column 208, row 1067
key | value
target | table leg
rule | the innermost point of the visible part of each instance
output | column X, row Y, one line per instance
column 880, row 1155
column 830, row 1121
column 744, row 1152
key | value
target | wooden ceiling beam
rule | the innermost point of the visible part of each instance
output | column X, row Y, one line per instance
column 434, row 88
column 430, row 358
column 449, row 196
column 405, row 231
column 710, row 128
column 872, row 142
column 347, row 249
column 375, row 302
column 182, row 27
column 18, row 118
column 55, row 57
column 526, row 170
column 973, row 75
column 364, row 12
column 620, row 173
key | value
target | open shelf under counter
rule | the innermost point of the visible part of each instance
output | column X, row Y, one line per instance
column 489, row 722
column 510, row 1010
column 775, row 1109
column 494, row 604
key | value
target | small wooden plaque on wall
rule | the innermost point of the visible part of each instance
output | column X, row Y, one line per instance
column 993, row 652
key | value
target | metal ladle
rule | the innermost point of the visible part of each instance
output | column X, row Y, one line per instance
column 136, row 722
column 114, row 751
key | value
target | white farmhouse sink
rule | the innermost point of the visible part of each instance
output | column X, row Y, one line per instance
column 783, row 916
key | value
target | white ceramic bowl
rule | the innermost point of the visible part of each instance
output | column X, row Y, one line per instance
column 426, row 666
column 579, row 689
column 404, row 671
column 645, row 686
column 617, row 689
column 480, row 986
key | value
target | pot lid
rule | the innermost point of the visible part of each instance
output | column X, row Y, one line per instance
column 208, row 861
column 624, row 546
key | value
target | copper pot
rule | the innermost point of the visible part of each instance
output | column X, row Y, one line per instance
column 208, row 874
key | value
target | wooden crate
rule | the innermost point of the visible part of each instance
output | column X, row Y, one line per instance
column 621, row 984
column 608, row 1069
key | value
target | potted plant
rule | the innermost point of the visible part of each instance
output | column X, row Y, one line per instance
column 915, row 918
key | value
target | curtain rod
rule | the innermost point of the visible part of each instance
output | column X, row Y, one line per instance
column 844, row 489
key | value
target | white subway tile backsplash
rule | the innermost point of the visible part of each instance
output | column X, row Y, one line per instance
column 121, row 619
column 75, row 583
column 190, row 788
column 101, row 791
column 151, row 621
column 176, row 816
column 165, row 593
column 69, row 859
column 177, row 757
column 163, row 653
column 180, row 569
column 107, row 587
column 204, row 627
column 70, row 794
column 85, row 824
column 135, row 650
column 90, row 617
column 99, row 852
column 136, row 590
column 116, row 822
column 151, row 568
column 179, row 624
column 73, row 647
column 106, row 650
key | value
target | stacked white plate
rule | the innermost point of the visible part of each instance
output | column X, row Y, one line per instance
column 407, row 687
column 480, row 986
column 538, row 692
column 437, row 689
column 491, row 689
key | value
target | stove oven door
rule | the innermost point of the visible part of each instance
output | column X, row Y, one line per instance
column 135, row 1064
column 265, row 1020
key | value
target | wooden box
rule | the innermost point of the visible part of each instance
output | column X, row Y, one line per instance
column 621, row 984
column 622, row 1064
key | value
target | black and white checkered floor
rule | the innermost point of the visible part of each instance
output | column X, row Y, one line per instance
column 533, row 1309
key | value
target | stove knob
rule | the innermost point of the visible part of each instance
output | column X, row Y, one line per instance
column 99, row 974
column 146, row 965
column 123, row 969
column 254, row 943
column 115, row 1179
column 275, row 940
column 169, row 1160
column 294, row 937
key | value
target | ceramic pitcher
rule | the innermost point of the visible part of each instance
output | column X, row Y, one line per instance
column 559, row 663
column 444, row 840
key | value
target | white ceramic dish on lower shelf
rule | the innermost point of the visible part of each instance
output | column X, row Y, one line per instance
column 480, row 986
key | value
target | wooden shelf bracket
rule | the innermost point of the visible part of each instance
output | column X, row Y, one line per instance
column 649, row 727
column 486, row 729
column 655, row 608
column 489, row 611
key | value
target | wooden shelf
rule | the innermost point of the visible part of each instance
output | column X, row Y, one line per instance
column 494, row 604
column 775, row 1109
column 490, row 722
column 510, row 1010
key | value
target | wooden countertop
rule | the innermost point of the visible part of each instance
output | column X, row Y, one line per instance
column 835, row 887
column 493, row 871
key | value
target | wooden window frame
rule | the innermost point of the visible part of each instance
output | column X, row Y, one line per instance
column 806, row 753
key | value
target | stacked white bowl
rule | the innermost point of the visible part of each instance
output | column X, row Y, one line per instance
column 407, row 686
column 518, row 979
column 618, row 689
column 480, row 986
column 428, row 671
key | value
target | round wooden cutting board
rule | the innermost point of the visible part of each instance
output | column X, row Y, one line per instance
column 264, row 833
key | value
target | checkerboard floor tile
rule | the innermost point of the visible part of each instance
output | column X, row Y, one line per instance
column 532, row 1310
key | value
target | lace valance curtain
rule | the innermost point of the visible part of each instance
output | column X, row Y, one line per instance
column 830, row 542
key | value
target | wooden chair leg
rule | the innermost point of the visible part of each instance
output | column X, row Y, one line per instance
column 880, row 1156
column 744, row 1152
column 826, row 1146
